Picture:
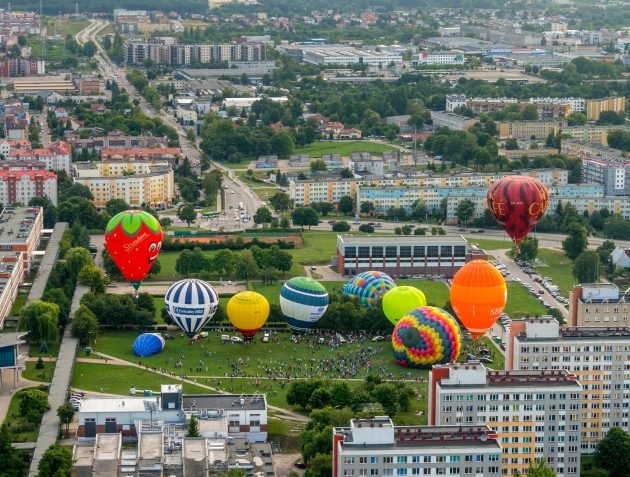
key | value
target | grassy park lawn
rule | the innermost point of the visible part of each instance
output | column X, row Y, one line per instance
column 555, row 265
column 521, row 302
column 498, row 360
column 18, row 304
column 41, row 375
column 490, row 244
column 21, row 430
column 345, row 148
column 264, row 193
column 116, row 379
column 65, row 26
column 244, row 164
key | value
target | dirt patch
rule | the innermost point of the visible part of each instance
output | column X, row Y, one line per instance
column 283, row 464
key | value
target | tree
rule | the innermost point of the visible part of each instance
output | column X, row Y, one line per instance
column 235, row 472
column 465, row 210
column 346, row 205
column 511, row 144
column 613, row 452
column 191, row 261
column 84, row 325
column 13, row 462
column 318, row 165
column 93, row 277
column 41, row 320
column 367, row 208
column 605, row 250
column 304, row 216
column 76, row 259
column 528, row 249
column 576, row 241
column 367, row 228
column 224, row 261
column 193, row 427
column 246, row 266
column 186, row 213
column 406, row 230
column 33, row 404
column 115, row 206
column 341, row 226
column 346, row 173
column 262, row 216
column 59, row 297
column 616, row 227
column 56, row 462
column 65, row 413
column 538, row 468
column 320, row 466
column 323, row 208
column 50, row 211
column 280, row 201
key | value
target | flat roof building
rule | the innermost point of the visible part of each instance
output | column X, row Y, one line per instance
column 598, row 357
column 536, row 414
column 374, row 446
column 598, row 305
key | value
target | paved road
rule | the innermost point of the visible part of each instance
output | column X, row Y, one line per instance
column 49, row 429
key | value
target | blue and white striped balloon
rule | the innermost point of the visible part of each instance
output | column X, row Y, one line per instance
column 191, row 303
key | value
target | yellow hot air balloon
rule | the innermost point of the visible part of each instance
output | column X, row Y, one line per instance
column 248, row 312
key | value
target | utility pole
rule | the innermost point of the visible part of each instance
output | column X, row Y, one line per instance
column 42, row 27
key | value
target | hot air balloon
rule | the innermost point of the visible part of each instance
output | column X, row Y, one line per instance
column 426, row 336
column 478, row 296
column 148, row 344
column 369, row 287
column 248, row 311
column 303, row 301
column 400, row 300
column 133, row 239
column 191, row 303
column 517, row 203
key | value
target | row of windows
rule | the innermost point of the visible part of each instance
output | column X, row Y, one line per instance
column 414, row 459
column 514, row 397
column 405, row 251
column 424, row 471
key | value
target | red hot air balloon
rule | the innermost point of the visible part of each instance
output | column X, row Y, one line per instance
column 517, row 203
column 133, row 238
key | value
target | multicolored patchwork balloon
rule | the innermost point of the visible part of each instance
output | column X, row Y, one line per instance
column 369, row 287
column 426, row 336
column 303, row 302
column 133, row 238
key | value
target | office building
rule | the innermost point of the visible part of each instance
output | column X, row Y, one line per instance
column 529, row 129
column 21, row 231
column 136, row 182
column 611, row 172
column 595, row 107
column 57, row 156
column 598, row 305
column 598, row 357
column 11, row 277
column 536, row 414
column 453, row 121
column 374, row 446
column 398, row 256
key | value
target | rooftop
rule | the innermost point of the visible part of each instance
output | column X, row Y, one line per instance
column 256, row 457
column 251, row 402
column 16, row 224
column 106, row 452
column 347, row 239
column 10, row 339
column 128, row 404
column 529, row 378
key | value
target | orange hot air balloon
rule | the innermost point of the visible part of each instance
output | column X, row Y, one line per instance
column 478, row 296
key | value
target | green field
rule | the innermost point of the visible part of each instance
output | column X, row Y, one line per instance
column 41, row 375
column 21, row 430
column 489, row 244
column 65, row 26
column 555, row 265
column 118, row 379
column 345, row 148
column 18, row 304
column 521, row 302
column 244, row 164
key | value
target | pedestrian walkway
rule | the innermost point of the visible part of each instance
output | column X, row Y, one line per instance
column 47, row 263
column 49, row 429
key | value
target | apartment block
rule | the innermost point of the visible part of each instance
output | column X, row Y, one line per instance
column 595, row 107
column 11, row 277
column 592, row 133
column 12, row 67
column 454, row 101
column 57, row 156
column 611, row 172
column 536, row 414
column 578, row 105
column 374, row 446
column 22, row 186
column 453, row 121
column 20, row 231
column 116, row 140
column 529, row 129
column 598, row 357
column 573, row 147
column 598, row 305
column 490, row 105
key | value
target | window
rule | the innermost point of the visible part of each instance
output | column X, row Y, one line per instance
column 234, row 420
column 390, row 252
column 432, row 251
column 362, row 460
column 418, row 251
column 402, row 459
column 373, row 460
column 348, row 460
column 377, row 252
column 254, row 420
column 388, row 459
column 401, row 471
column 405, row 252
column 446, row 251
column 460, row 250
column 350, row 252
column 364, row 252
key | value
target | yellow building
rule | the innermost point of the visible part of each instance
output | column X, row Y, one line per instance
column 149, row 183
column 527, row 129
column 594, row 107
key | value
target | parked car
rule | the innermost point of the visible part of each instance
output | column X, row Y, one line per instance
column 265, row 338
column 236, row 339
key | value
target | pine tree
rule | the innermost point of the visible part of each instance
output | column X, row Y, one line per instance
column 193, row 427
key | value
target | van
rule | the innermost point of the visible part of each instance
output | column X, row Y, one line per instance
column 265, row 338
column 236, row 339
column 225, row 338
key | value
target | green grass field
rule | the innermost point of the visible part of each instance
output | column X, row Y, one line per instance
column 18, row 304
column 489, row 244
column 521, row 302
column 41, row 375
column 345, row 148
column 65, row 26
column 20, row 429
column 555, row 265
column 244, row 164
column 115, row 379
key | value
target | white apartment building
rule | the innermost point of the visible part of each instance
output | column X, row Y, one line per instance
column 578, row 105
column 598, row 357
column 22, row 186
column 455, row 101
column 374, row 446
column 57, row 156
column 536, row 414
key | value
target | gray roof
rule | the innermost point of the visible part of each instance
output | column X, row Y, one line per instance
column 9, row 339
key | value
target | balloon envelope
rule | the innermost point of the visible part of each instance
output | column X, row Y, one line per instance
column 303, row 302
column 191, row 303
column 148, row 344
column 369, row 287
column 248, row 312
column 133, row 239
column 478, row 296
column 426, row 336
column 517, row 203
column 400, row 300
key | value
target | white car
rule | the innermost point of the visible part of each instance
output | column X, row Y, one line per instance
column 265, row 338
column 236, row 339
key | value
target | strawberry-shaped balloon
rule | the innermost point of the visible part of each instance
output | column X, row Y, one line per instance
column 133, row 239
column 517, row 203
